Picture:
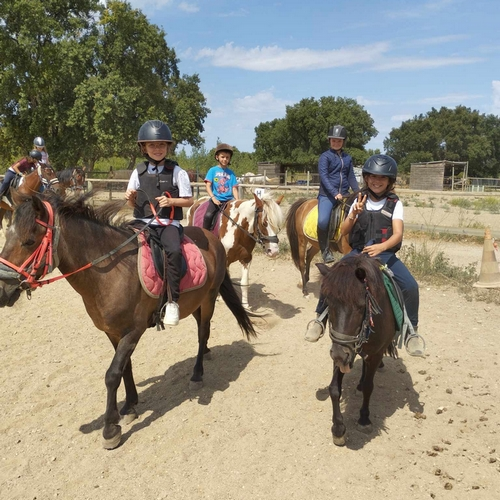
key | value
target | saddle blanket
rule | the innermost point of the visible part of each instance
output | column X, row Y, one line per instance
column 199, row 214
column 311, row 223
column 152, row 283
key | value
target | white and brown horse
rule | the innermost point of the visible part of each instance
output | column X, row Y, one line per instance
column 242, row 224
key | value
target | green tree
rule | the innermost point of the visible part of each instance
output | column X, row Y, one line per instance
column 459, row 134
column 100, row 73
column 301, row 136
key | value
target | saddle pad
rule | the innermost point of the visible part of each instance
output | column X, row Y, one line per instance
column 396, row 306
column 199, row 214
column 311, row 224
column 195, row 277
column 336, row 218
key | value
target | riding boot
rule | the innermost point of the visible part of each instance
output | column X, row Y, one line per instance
column 324, row 246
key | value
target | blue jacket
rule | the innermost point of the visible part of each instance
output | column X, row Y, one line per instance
column 336, row 174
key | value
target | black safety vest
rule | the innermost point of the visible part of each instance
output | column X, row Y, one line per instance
column 375, row 225
column 154, row 185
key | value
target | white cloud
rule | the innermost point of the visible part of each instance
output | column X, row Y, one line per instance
column 401, row 118
column 496, row 97
column 437, row 40
column 423, row 63
column 262, row 103
column 370, row 102
column 277, row 59
column 188, row 7
column 141, row 4
column 449, row 99
column 420, row 10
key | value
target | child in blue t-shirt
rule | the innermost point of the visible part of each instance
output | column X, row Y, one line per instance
column 221, row 184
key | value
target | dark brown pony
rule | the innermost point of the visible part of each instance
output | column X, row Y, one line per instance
column 361, row 321
column 99, row 261
column 243, row 224
column 302, row 247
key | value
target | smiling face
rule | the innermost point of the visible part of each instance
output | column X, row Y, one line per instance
column 224, row 158
column 377, row 183
column 336, row 144
column 156, row 150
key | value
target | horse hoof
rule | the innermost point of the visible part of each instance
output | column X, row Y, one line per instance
column 207, row 356
column 365, row 429
column 195, row 386
column 113, row 442
column 339, row 441
column 129, row 417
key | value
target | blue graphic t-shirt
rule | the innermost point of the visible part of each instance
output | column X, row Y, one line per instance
column 222, row 181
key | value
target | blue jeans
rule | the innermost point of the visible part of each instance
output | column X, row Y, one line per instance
column 402, row 277
column 325, row 207
column 4, row 188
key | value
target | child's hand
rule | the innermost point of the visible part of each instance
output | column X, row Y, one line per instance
column 359, row 205
column 131, row 195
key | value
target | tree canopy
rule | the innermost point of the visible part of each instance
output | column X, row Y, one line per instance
column 85, row 77
column 459, row 134
column 301, row 136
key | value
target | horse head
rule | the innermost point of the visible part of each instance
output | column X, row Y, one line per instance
column 267, row 223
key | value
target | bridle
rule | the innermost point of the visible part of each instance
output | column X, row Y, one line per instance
column 44, row 259
column 260, row 238
column 355, row 343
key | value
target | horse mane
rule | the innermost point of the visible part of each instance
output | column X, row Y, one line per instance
column 64, row 176
column 273, row 211
column 337, row 284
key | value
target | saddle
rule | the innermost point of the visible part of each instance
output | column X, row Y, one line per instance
column 336, row 218
column 151, row 269
column 199, row 215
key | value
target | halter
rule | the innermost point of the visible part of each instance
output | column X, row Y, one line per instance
column 261, row 238
column 355, row 344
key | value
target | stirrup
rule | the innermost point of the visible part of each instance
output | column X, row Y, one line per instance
column 313, row 322
column 328, row 257
column 415, row 345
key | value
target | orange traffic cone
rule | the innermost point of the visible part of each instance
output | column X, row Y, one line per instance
column 489, row 277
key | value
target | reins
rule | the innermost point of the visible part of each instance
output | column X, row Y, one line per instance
column 48, row 250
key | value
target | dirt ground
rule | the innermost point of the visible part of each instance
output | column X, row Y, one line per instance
column 260, row 427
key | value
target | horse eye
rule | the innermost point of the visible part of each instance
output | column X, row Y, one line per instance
column 28, row 243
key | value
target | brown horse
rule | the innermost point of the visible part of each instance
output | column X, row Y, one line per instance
column 304, row 247
column 31, row 183
column 99, row 261
column 243, row 224
column 361, row 321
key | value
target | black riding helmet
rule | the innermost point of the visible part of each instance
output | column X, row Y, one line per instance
column 153, row 131
column 337, row 132
column 36, row 155
column 223, row 147
column 381, row 165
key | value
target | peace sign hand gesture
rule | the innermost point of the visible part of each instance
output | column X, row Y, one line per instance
column 359, row 205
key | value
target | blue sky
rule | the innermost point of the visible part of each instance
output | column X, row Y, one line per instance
column 398, row 59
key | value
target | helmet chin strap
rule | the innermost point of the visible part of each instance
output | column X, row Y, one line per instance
column 379, row 196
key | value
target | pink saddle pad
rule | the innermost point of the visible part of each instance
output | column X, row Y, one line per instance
column 195, row 277
column 199, row 214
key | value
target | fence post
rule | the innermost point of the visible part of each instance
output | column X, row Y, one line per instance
column 265, row 177
column 286, row 177
column 308, row 181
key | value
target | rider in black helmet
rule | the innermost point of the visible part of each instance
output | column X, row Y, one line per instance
column 158, row 189
column 336, row 176
column 375, row 227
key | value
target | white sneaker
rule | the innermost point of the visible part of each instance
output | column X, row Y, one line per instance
column 171, row 314
column 315, row 330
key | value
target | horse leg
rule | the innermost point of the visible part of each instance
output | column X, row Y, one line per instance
column 128, row 412
column 112, row 430
column 370, row 365
column 203, row 319
column 311, row 252
column 335, row 390
column 245, row 272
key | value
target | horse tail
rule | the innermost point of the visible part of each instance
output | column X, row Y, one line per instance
column 291, row 231
column 232, row 300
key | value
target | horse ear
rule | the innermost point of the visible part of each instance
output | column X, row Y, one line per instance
column 38, row 205
column 280, row 199
column 323, row 268
column 258, row 201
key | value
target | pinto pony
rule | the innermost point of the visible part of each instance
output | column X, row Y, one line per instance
column 361, row 321
column 243, row 224
column 100, row 261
